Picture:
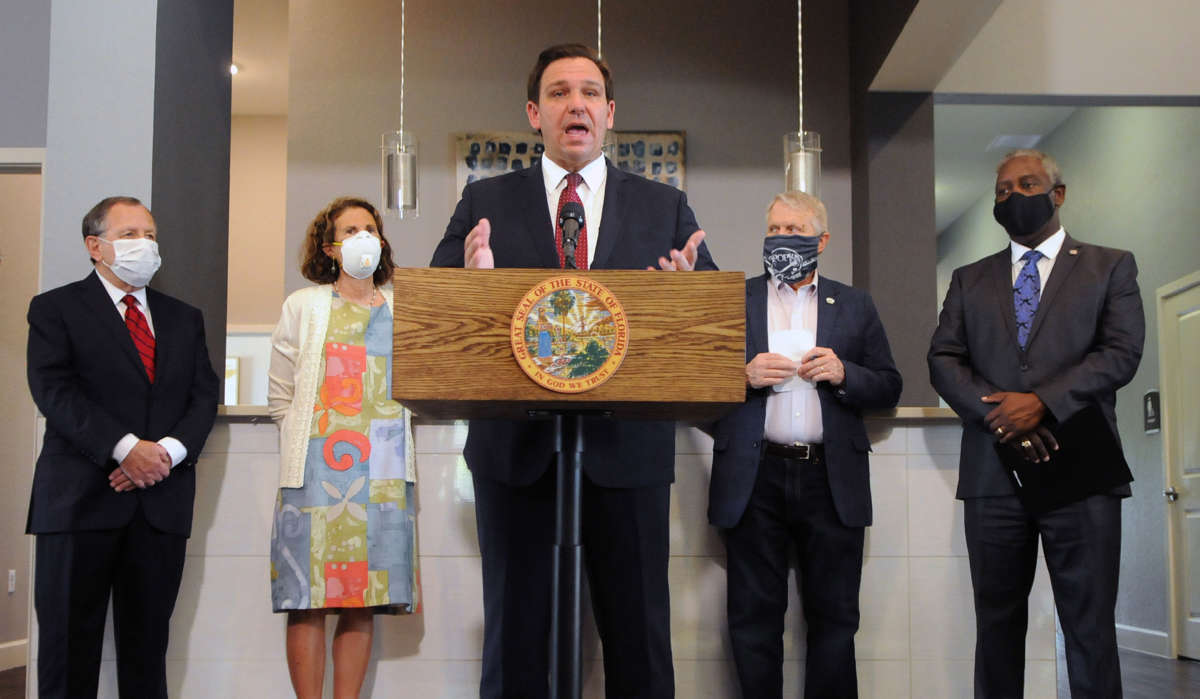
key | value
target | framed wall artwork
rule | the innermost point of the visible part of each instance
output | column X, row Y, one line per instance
column 655, row 155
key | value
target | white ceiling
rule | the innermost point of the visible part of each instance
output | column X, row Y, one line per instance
column 260, row 50
column 1036, row 48
column 964, row 168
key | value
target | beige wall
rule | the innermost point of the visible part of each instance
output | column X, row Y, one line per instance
column 257, row 202
column 20, row 238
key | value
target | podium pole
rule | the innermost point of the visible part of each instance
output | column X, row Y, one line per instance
column 566, row 655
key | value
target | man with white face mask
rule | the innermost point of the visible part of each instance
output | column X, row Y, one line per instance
column 122, row 374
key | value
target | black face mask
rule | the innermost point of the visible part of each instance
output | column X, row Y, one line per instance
column 790, row 258
column 1021, row 215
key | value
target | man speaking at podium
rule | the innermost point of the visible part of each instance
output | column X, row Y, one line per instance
column 628, row 223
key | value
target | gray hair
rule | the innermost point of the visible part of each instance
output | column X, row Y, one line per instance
column 1048, row 163
column 96, row 221
column 803, row 200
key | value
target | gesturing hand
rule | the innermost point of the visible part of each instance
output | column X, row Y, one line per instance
column 477, row 249
column 682, row 260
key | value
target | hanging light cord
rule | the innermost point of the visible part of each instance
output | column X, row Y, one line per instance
column 402, row 18
column 599, row 29
column 799, row 68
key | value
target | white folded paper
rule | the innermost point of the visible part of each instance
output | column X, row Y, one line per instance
column 793, row 344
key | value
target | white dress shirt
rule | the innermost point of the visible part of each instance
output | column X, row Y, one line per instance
column 793, row 416
column 1049, row 248
column 173, row 446
column 591, row 193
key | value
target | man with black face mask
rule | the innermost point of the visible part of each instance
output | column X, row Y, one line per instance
column 790, row 464
column 1029, row 338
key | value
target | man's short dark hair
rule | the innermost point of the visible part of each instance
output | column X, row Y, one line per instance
column 94, row 220
column 534, row 87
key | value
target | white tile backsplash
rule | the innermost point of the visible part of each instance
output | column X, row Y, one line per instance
column 916, row 636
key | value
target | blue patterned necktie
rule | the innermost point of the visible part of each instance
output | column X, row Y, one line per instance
column 1026, row 292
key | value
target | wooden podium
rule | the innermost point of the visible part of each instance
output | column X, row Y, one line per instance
column 452, row 357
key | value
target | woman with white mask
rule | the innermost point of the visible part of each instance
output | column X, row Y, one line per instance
column 343, row 538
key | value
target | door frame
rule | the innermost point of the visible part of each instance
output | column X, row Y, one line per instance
column 26, row 159
column 1169, row 415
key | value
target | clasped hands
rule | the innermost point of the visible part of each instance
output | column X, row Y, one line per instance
column 477, row 250
column 145, row 465
column 1017, row 418
column 818, row 364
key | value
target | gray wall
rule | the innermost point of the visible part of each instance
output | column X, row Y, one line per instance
column 25, row 72
column 725, row 76
column 99, row 121
column 1131, row 177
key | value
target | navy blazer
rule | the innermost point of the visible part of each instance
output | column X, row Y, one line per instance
column 1085, row 343
column 641, row 221
column 847, row 323
column 87, row 378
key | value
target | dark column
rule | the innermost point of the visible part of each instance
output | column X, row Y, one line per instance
column 190, row 179
column 897, row 261
column 895, row 243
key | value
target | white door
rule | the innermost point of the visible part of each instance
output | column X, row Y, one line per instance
column 1179, row 367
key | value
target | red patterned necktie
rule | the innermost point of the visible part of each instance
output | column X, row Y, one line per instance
column 139, row 330
column 569, row 194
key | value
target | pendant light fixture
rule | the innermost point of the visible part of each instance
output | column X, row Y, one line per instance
column 801, row 149
column 399, row 157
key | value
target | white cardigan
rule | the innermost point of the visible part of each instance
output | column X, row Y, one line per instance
column 295, row 377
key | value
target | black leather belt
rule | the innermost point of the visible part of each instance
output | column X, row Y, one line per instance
column 797, row 452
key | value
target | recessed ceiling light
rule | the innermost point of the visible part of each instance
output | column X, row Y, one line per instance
column 1014, row 141
column 234, row 68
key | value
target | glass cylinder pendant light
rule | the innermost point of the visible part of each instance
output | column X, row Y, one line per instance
column 399, row 174
column 801, row 149
column 399, row 156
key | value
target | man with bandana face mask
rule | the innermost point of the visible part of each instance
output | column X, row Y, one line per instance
column 122, row 374
column 1028, row 338
column 790, row 465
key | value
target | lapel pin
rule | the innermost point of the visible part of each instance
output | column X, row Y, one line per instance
column 829, row 300
column 1073, row 251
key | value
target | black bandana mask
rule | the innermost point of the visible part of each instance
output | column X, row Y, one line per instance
column 790, row 258
column 1021, row 215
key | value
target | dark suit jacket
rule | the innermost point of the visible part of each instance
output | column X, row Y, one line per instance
column 1085, row 343
column 87, row 379
column 850, row 327
column 642, row 221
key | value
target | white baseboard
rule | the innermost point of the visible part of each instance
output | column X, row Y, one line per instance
column 14, row 654
column 1144, row 640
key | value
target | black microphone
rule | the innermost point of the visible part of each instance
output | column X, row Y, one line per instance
column 570, row 220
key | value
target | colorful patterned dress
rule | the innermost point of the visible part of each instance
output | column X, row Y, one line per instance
column 347, row 538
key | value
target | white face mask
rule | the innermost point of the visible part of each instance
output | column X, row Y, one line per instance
column 134, row 260
column 360, row 254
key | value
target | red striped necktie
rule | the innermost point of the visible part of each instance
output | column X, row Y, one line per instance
column 569, row 193
column 139, row 330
